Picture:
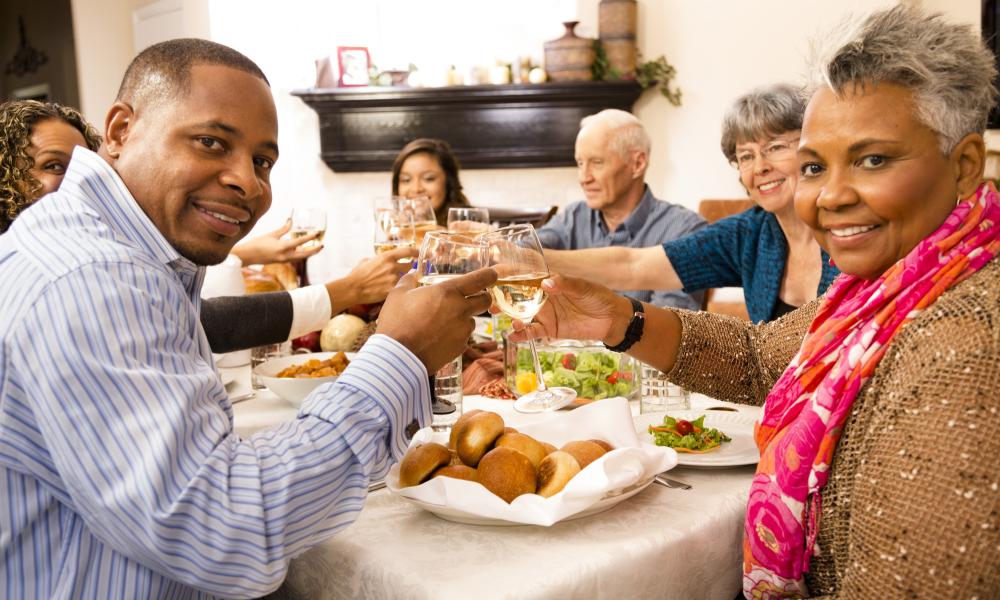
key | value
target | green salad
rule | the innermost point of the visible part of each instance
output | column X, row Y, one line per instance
column 594, row 375
column 687, row 436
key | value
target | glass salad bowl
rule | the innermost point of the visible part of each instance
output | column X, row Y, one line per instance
column 592, row 370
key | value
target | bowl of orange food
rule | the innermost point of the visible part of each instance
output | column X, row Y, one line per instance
column 295, row 377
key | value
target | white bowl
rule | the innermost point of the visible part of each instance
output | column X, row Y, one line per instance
column 293, row 389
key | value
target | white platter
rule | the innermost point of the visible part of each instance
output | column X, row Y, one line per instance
column 739, row 426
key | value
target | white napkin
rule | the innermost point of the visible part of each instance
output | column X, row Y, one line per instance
column 629, row 463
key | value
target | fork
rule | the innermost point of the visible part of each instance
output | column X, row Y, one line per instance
column 671, row 483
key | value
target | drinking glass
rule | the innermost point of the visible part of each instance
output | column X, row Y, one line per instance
column 516, row 254
column 469, row 218
column 393, row 229
column 423, row 215
column 307, row 220
column 444, row 255
column 661, row 395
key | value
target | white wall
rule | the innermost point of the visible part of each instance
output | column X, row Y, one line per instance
column 721, row 49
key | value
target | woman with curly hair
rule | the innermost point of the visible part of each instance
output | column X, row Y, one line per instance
column 38, row 141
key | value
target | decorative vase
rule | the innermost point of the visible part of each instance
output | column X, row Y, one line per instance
column 570, row 57
column 617, row 23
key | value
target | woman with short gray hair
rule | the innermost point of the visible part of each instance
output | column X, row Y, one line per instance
column 880, row 427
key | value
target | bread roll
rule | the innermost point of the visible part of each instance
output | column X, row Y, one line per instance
column 456, row 472
column 477, row 436
column 459, row 424
column 525, row 444
column 555, row 472
column 256, row 282
column 507, row 473
column 420, row 461
column 284, row 273
column 549, row 448
column 584, row 451
column 509, row 430
column 607, row 447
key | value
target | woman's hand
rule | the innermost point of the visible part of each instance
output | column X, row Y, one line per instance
column 270, row 248
column 577, row 309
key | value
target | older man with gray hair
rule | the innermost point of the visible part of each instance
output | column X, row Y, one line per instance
column 612, row 153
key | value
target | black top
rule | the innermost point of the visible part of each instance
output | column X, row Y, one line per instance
column 241, row 322
column 781, row 308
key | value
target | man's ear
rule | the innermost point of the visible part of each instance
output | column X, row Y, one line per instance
column 969, row 160
column 640, row 160
column 117, row 127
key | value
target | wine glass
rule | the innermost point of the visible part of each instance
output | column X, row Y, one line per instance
column 307, row 220
column 469, row 218
column 393, row 229
column 444, row 255
column 516, row 254
column 423, row 214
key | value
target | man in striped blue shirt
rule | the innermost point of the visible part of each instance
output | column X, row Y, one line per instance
column 120, row 473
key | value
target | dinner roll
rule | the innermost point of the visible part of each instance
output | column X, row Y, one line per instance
column 507, row 473
column 607, row 447
column 525, row 444
column 477, row 436
column 459, row 424
column 555, row 472
column 420, row 461
column 456, row 472
column 584, row 451
column 549, row 448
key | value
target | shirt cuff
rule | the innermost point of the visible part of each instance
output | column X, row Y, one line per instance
column 310, row 309
column 388, row 374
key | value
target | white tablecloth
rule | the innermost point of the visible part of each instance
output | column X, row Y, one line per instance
column 661, row 543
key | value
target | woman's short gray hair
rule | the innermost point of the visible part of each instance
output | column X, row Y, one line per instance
column 627, row 132
column 946, row 66
column 765, row 112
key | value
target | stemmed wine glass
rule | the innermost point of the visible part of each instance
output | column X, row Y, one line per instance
column 516, row 254
column 308, row 220
column 423, row 214
column 393, row 229
column 444, row 255
column 469, row 218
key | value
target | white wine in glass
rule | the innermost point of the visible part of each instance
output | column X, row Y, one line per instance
column 516, row 254
column 422, row 212
column 306, row 221
column 393, row 230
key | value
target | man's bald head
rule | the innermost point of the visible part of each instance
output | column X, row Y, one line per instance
column 163, row 71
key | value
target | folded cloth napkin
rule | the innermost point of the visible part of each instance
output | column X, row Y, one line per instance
column 481, row 363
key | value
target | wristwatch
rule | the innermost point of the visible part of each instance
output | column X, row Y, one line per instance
column 634, row 331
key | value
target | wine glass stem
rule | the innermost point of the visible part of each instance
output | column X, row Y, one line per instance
column 542, row 391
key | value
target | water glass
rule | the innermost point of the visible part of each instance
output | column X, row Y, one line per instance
column 659, row 394
column 448, row 390
column 262, row 354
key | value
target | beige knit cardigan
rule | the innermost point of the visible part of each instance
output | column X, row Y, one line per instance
column 911, row 507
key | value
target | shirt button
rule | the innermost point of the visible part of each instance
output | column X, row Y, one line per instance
column 412, row 429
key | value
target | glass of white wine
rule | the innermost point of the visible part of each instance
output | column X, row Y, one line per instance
column 516, row 254
column 444, row 255
column 393, row 229
column 423, row 215
column 469, row 218
column 308, row 220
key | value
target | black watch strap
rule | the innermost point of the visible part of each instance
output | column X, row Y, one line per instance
column 634, row 331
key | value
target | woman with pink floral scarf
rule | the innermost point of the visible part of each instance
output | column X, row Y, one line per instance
column 880, row 433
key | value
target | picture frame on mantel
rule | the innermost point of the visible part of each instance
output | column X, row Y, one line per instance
column 353, row 63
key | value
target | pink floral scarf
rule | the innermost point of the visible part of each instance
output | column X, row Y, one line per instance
column 805, row 411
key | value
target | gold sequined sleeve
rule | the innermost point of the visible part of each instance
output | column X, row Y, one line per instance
column 730, row 359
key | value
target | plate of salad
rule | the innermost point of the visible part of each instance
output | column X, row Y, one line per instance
column 592, row 374
column 702, row 438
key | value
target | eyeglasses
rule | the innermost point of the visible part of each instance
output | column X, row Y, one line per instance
column 772, row 151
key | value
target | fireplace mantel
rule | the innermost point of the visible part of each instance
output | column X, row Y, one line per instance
column 488, row 126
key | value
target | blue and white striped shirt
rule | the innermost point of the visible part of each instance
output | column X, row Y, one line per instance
column 120, row 473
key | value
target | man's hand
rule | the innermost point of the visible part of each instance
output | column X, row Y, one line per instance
column 435, row 321
column 372, row 279
column 270, row 248
column 577, row 309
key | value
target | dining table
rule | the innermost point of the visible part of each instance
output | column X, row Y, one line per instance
column 663, row 542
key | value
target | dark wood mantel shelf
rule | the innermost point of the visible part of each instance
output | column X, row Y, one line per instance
column 488, row 126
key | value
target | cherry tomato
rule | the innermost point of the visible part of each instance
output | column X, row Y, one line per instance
column 684, row 427
column 569, row 361
column 613, row 378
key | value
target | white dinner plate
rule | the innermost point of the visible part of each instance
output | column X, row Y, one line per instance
column 460, row 516
column 739, row 426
